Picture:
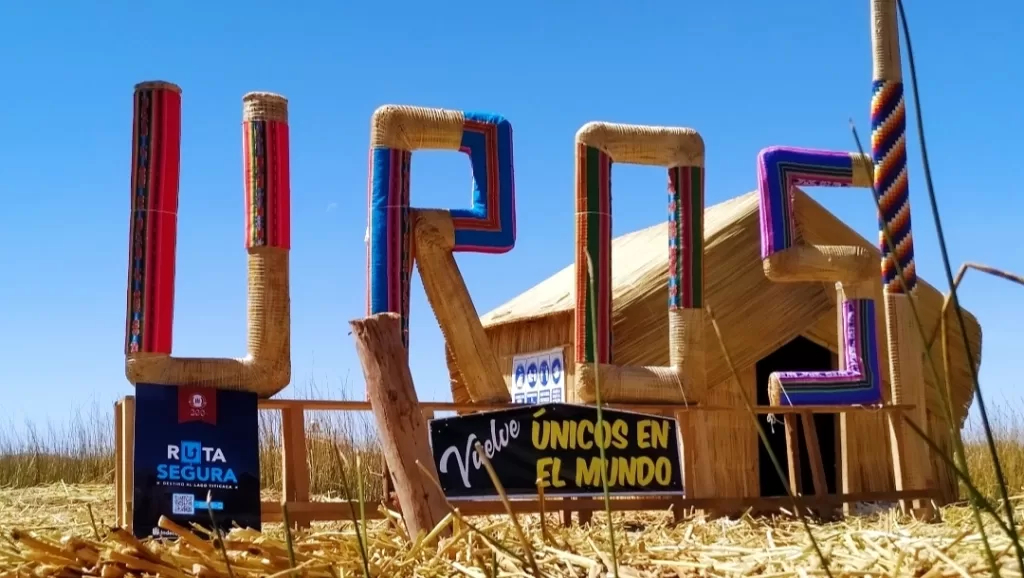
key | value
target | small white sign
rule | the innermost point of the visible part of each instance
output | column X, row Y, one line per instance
column 538, row 377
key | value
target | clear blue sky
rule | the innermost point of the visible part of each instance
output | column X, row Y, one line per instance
column 746, row 74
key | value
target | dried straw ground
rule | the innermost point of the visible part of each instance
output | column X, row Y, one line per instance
column 61, row 530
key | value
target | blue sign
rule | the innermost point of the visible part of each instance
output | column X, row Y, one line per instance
column 520, row 376
column 531, row 375
column 556, row 371
column 556, row 395
column 520, row 398
column 531, row 398
column 196, row 452
column 544, row 372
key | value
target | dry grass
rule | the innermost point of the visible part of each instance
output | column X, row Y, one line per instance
column 58, row 487
column 50, row 528
column 81, row 451
column 1008, row 430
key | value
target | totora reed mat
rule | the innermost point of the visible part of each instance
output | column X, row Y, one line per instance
column 49, row 531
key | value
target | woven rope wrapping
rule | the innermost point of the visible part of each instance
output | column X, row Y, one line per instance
column 905, row 352
column 885, row 42
column 858, row 380
column 889, row 149
column 488, row 226
column 264, row 106
column 813, row 263
column 681, row 151
column 155, row 168
column 780, row 170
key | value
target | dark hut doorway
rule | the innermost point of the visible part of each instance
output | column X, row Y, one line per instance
column 800, row 354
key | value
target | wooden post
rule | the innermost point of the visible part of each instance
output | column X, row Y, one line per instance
column 118, row 467
column 697, row 448
column 817, row 467
column 403, row 430
column 128, row 460
column 294, row 461
column 793, row 452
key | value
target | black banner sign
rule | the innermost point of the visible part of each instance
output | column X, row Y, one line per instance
column 191, row 442
column 556, row 443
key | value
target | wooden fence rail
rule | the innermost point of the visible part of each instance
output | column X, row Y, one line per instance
column 303, row 510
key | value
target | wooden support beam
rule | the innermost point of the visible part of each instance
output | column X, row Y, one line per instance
column 793, row 452
column 294, row 461
column 330, row 511
column 403, row 431
column 817, row 467
column 118, row 466
column 656, row 408
column 128, row 460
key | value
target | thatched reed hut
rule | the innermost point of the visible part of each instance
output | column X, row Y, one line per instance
column 766, row 327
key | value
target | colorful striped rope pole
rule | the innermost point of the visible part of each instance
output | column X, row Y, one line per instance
column 156, row 140
column 913, row 468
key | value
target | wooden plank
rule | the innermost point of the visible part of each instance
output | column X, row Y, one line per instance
column 334, row 511
column 118, row 466
column 817, row 467
column 294, row 461
column 128, row 459
column 814, row 454
column 653, row 408
column 685, row 460
column 793, row 453
column 847, row 462
column 585, row 516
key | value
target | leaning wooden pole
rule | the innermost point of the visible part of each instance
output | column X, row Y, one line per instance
column 912, row 462
column 403, row 429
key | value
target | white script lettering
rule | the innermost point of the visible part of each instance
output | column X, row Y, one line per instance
column 499, row 439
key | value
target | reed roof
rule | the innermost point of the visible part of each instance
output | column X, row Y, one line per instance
column 756, row 316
